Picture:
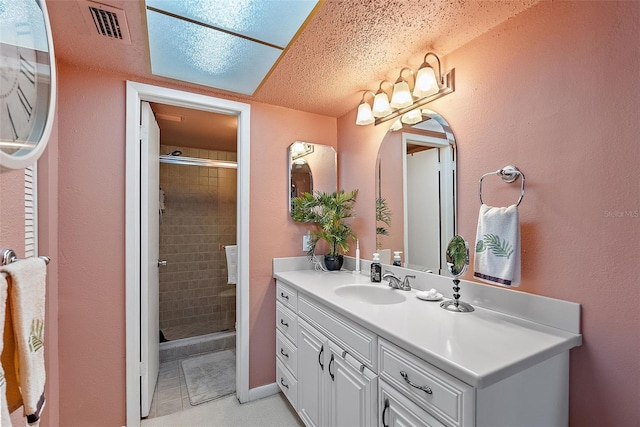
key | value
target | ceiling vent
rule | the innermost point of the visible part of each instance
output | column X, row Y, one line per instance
column 106, row 21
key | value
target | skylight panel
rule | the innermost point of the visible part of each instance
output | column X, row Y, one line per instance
column 226, row 44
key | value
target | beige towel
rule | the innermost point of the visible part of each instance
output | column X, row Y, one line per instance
column 27, row 289
column 5, row 419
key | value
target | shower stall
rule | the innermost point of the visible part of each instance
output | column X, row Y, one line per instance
column 197, row 221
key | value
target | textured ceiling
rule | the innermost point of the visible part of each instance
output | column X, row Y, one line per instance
column 346, row 47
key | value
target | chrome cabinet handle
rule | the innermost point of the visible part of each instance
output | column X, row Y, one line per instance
column 283, row 384
column 162, row 263
column 282, row 322
column 284, row 296
column 424, row 388
column 320, row 357
column 283, row 353
column 384, row 411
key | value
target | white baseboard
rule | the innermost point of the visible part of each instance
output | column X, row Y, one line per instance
column 263, row 391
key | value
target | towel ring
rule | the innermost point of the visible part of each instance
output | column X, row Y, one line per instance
column 508, row 175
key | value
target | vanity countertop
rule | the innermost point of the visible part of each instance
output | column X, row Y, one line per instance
column 480, row 348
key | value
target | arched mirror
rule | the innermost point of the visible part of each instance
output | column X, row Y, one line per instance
column 312, row 167
column 416, row 194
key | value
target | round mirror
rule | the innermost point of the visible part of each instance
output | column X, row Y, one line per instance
column 457, row 256
column 457, row 262
column 415, row 184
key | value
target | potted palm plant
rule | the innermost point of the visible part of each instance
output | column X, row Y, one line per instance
column 327, row 211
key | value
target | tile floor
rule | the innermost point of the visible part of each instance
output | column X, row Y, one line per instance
column 171, row 394
column 272, row 411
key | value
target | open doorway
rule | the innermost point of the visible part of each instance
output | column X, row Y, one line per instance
column 136, row 182
column 198, row 251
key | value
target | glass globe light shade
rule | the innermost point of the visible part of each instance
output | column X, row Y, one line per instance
column 364, row 117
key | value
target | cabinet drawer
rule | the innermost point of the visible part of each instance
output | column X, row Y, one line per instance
column 446, row 397
column 358, row 341
column 287, row 296
column 287, row 353
column 397, row 410
column 287, row 384
column 286, row 322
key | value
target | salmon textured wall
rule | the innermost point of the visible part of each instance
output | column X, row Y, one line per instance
column 273, row 232
column 91, row 227
column 92, row 232
column 555, row 91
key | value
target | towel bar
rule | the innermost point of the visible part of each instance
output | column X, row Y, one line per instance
column 508, row 175
column 7, row 256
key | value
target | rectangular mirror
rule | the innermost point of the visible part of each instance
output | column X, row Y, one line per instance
column 312, row 167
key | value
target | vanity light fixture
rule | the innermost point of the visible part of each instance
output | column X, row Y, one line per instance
column 412, row 117
column 405, row 103
column 397, row 125
column 401, row 96
column 426, row 83
column 300, row 149
column 381, row 105
column 365, row 115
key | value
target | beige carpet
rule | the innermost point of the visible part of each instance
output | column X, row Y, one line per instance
column 210, row 376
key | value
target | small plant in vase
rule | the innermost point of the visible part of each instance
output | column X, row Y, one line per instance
column 327, row 211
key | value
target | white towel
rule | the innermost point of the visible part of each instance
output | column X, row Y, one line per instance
column 232, row 264
column 5, row 419
column 27, row 290
column 161, row 201
column 497, row 257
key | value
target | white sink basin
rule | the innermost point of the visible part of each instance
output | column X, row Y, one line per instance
column 370, row 294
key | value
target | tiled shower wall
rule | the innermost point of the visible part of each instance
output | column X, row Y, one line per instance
column 199, row 219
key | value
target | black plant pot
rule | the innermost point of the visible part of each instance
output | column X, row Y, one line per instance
column 333, row 263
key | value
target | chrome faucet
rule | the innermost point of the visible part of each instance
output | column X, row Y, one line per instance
column 397, row 283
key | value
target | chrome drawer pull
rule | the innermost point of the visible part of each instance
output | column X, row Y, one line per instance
column 424, row 388
column 283, row 384
column 283, row 353
column 284, row 296
column 282, row 322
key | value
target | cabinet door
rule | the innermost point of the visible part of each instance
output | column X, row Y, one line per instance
column 312, row 350
column 351, row 391
column 397, row 410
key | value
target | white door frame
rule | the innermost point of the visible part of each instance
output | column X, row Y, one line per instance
column 137, row 92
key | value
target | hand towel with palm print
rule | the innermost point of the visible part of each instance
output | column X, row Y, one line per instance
column 27, row 291
column 497, row 252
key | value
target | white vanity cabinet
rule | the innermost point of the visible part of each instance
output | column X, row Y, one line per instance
column 286, row 346
column 399, row 411
column 413, row 392
column 334, row 389
column 425, row 394
column 348, row 363
column 335, row 385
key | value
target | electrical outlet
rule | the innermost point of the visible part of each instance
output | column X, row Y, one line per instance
column 306, row 242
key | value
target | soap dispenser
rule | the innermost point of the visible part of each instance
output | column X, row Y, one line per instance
column 396, row 258
column 376, row 269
